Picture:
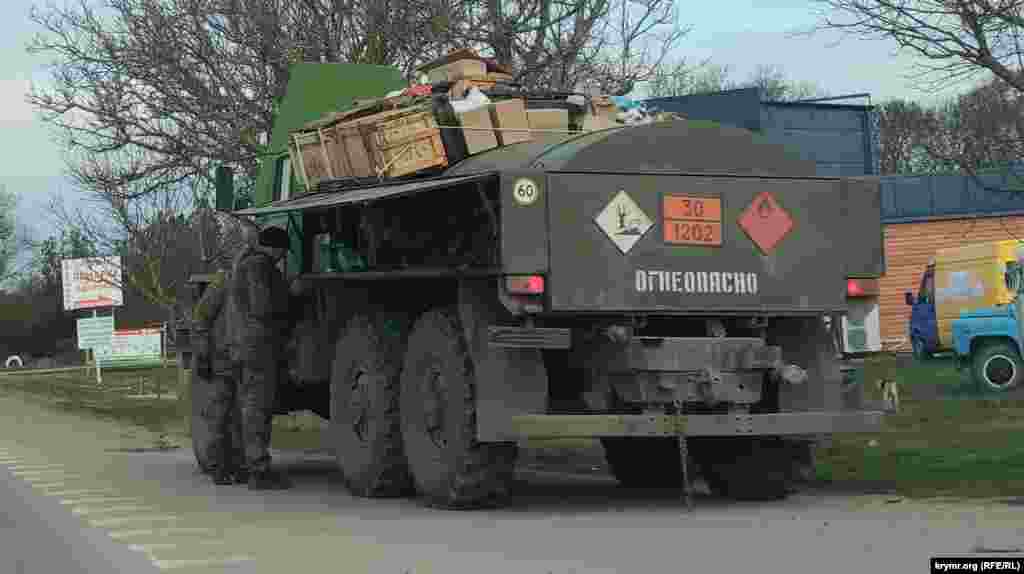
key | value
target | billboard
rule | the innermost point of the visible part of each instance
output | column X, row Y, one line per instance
column 95, row 332
column 136, row 345
column 92, row 283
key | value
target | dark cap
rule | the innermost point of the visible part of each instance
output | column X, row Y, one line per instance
column 273, row 237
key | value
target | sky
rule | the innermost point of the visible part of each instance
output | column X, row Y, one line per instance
column 738, row 34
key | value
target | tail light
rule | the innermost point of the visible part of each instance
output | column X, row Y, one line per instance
column 861, row 287
column 525, row 285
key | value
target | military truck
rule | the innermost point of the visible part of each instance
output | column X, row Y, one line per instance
column 663, row 288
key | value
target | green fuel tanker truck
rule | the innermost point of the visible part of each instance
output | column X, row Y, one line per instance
column 670, row 289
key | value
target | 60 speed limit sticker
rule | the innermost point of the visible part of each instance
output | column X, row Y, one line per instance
column 525, row 191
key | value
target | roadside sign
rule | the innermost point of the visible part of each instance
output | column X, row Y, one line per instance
column 131, row 347
column 95, row 332
column 91, row 283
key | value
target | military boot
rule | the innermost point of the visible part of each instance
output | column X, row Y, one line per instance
column 268, row 479
column 223, row 476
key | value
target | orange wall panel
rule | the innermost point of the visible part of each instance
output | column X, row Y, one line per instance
column 909, row 247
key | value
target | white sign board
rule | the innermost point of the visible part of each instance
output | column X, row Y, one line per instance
column 135, row 343
column 95, row 332
column 92, row 283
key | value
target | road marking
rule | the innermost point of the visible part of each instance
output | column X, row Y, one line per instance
column 148, row 548
column 44, row 485
column 161, row 531
column 99, row 499
column 125, row 519
column 175, row 564
column 81, row 510
column 77, row 492
column 42, row 479
column 31, row 473
column 34, row 466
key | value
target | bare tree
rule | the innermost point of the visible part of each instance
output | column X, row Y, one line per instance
column 776, row 87
column 955, row 40
column 679, row 79
column 903, row 133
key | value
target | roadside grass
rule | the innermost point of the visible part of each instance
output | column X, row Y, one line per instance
column 949, row 439
column 142, row 397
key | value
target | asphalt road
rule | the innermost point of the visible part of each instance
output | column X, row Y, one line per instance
column 67, row 491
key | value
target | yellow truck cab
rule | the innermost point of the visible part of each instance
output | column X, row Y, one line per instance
column 958, row 279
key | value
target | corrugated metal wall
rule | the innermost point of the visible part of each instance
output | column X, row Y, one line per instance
column 908, row 248
column 840, row 138
column 908, row 198
column 835, row 137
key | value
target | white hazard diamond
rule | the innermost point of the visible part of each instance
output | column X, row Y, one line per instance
column 623, row 222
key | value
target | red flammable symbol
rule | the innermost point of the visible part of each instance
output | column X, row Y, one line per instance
column 765, row 222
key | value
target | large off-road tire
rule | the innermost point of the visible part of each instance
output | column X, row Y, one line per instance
column 997, row 367
column 745, row 468
column 365, row 427
column 450, row 468
column 644, row 462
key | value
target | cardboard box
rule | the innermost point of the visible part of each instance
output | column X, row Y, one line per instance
column 553, row 119
column 457, row 70
column 510, row 114
column 602, row 115
column 482, row 137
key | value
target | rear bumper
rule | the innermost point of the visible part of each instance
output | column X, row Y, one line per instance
column 798, row 423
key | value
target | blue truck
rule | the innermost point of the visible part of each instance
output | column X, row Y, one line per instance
column 987, row 340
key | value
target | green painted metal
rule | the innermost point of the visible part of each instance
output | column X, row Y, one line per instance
column 225, row 188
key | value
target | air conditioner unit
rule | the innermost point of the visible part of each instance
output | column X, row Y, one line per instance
column 861, row 326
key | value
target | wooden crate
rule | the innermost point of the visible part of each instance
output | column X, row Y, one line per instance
column 386, row 144
column 405, row 141
column 311, row 157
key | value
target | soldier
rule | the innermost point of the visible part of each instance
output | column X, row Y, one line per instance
column 260, row 317
column 222, row 411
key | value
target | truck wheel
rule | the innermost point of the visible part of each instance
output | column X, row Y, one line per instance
column 451, row 469
column 365, row 427
column 997, row 367
column 745, row 468
column 644, row 462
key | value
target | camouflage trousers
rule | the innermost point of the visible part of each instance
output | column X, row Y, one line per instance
column 223, row 416
column 259, row 381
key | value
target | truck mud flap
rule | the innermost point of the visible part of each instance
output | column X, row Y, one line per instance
column 586, row 426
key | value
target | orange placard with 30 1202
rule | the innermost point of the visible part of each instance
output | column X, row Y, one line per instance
column 689, row 220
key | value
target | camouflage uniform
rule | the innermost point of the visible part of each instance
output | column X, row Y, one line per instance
column 259, row 300
column 222, row 412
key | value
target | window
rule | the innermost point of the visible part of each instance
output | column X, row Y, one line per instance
column 282, row 178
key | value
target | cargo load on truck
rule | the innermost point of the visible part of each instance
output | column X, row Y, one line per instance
column 465, row 106
column 669, row 288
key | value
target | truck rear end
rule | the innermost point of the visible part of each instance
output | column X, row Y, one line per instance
column 694, row 304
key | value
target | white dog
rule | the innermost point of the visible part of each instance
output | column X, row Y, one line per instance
column 890, row 394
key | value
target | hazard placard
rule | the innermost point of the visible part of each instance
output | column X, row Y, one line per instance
column 765, row 222
column 692, row 220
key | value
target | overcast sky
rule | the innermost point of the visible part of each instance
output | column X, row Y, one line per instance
column 736, row 33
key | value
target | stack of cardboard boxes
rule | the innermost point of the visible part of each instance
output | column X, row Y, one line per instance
column 479, row 110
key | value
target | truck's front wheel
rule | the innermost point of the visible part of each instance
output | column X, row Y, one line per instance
column 451, row 469
column 997, row 367
column 365, row 425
